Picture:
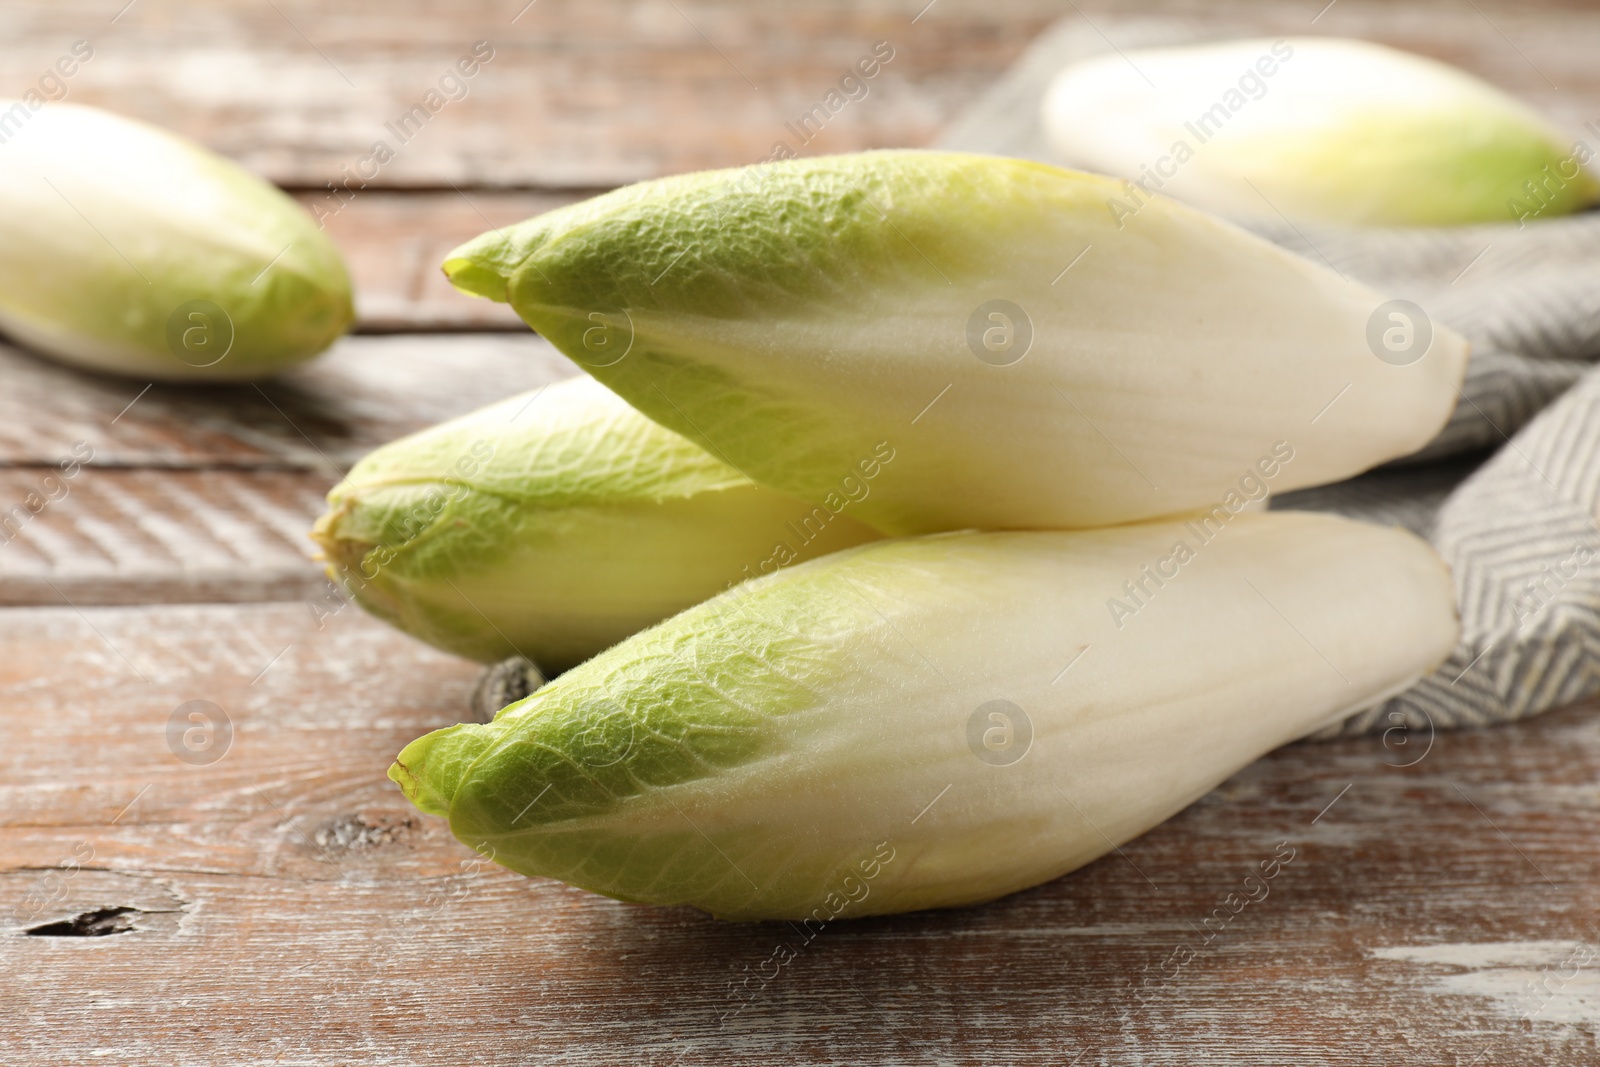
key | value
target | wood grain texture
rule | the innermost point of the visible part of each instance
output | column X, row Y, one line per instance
column 393, row 244
column 285, row 905
column 132, row 536
column 590, row 95
column 577, row 94
column 320, row 417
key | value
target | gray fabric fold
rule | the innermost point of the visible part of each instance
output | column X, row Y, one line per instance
column 1519, row 535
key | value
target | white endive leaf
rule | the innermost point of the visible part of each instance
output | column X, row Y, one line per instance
column 941, row 720
column 983, row 320
column 553, row 525
column 125, row 248
column 1315, row 129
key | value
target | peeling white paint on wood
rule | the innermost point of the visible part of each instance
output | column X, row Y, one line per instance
column 1556, row 982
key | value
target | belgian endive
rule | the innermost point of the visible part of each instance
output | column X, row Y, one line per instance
column 941, row 720
column 555, row 524
column 1316, row 129
column 1031, row 363
column 126, row 248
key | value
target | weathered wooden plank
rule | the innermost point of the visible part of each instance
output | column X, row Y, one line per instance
column 576, row 94
column 393, row 244
column 131, row 536
column 320, row 417
column 283, row 904
column 581, row 94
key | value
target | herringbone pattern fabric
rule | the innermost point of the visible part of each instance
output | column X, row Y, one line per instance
column 1520, row 536
column 1527, row 298
column 1518, row 530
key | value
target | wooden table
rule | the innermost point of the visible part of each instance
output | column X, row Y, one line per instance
column 281, row 903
